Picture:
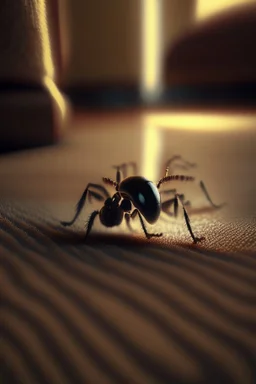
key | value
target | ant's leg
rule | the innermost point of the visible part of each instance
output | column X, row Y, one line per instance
column 95, row 195
column 186, row 163
column 171, row 160
column 195, row 239
column 119, row 171
column 166, row 205
column 183, row 165
column 167, row 191
column 127, row 217
column 90, row 222
column 123, row 167
column 118, row 175
column 82, row 200
column 134, row 167
column 148, row 235
column 186, row 203
column 202, row 186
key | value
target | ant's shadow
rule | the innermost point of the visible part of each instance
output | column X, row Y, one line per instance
column 69, row 239
column 192, row 211
column 48, row 232
column 70, row 236
column 128, row 240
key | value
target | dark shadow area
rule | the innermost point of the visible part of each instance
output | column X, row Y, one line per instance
column 11, row 147
column 116, row 98
column 134, row 242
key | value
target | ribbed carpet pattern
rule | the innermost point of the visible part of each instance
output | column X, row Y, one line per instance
column 121, row 309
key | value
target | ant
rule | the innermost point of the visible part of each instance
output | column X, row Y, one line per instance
column 137, row 192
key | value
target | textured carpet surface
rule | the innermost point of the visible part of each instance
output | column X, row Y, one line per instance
column 119, row 308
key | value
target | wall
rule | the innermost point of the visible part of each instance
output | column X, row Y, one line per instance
column 105, row 38
column 105, row 41
column 178, row 17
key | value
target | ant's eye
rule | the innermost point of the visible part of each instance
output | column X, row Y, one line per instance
column 141, row 198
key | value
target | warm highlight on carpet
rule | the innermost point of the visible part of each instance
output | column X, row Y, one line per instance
column 119, row 308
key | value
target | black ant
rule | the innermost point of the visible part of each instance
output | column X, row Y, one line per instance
column 134, row 191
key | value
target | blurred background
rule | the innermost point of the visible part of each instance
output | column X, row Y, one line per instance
column 129, row 80
column 87, row 85
column 121, row 52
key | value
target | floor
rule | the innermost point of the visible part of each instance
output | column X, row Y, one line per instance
column 118, row 308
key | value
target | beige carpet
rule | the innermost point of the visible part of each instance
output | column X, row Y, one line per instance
column 119, row 308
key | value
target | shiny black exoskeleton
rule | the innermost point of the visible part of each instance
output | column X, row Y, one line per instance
column 132, row 192
column 134, row 196
column 144, row 195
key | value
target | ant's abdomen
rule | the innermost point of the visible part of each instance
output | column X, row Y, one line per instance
column 144, row 196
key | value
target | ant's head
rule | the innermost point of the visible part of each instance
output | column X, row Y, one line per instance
column 112, row 202
column 108, row 202
column 111, row 213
